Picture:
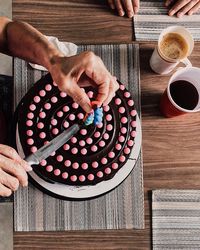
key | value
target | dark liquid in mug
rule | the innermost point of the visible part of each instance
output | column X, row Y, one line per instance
column 184, row 94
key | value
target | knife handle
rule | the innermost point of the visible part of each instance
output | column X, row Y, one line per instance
column 32, row 159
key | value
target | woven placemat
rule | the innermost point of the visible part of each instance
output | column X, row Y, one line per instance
column 176, row 219
column 121, row 208
column 152, row 19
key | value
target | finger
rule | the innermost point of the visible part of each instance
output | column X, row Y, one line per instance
column 136, row 6
column 194, row 9
column 112, row 4
column 103, row 91
column 14, row 168
column 119, row 7
column 186, row 8
column 177, row 6
column 12, row 154
column 114, row 86
column 8, row 180
column 128, row 5
column 168, row 2
column 4, row 191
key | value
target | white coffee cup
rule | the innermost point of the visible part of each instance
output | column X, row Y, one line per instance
column 162, row 65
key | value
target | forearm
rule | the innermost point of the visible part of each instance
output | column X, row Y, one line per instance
column 22, row 40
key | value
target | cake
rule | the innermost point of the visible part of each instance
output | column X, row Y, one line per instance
column 95, row 153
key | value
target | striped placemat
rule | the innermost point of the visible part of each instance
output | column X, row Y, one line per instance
column 152, row 19
column 121, row 208
column 176, row 219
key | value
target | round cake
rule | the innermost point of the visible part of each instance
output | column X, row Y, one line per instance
column 95, row 153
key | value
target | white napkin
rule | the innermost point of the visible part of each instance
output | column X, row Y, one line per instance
column 68, row 49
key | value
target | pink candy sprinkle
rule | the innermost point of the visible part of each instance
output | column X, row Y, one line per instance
column 130, row 103
column 104, row 160
column 46, row 142
column 95, row 164
column 54, row 122
column 48, row 87
column 80, row 116
column 53, row 153
column 127, row 151
column 72, row 117
column 42, row 115
column 36, row 99
column 84, row 166
column 100, row 125
column 82, row 143
column 40, row 125
column 73, row 139
column 84, row 151
column 106, row 136
column 122, row 87
column 102, row 143
column 90, row 94
column 73, row 178
column 30, row 115
column 133, row 124
column 130, row 143
column 75, row 165
column 127, row 94
column 97, row 134
column 108, row 117
column 33, row 149
column 133, row 133
column 49, row 168
column 118, row 146
column 75, row 105
column 82, row 178
column 133, row 112
column 42, row 135
column 47, row 106
column 100, row 174
column 29, row 123
column 29, row 132
column 109, row 127
column 63, row 94
column 115, row 165
column 123, row 130
column 42, row 93
column 74, row 151
column 122, row 158
column 57, row 172
column 65, row 175
column 121, row 110
column 106, row 108
column 66, row 124
column 89, row 140
column 66, row 147
column 124, row 120
column 94, row 148
column 59, row 113
column 111, row 154
column 65, row 108
column 67, row 163
column 118, row 101
column 55, row 131
column 107, row 170
column 90, row 177
column 54, row 99
column 43, row 163
column 121, row 138
column 59, row 158
column 32, row 107
column 83, row 132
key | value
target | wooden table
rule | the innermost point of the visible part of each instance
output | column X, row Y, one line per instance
column 170, row 146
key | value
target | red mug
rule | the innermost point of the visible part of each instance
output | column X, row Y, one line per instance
column 182, row 94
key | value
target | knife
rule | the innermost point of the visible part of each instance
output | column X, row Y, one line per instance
column 53, row 145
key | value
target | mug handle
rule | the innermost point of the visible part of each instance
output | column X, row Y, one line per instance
column 186, row 62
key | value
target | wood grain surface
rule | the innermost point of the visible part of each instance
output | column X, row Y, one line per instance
column 170, row 146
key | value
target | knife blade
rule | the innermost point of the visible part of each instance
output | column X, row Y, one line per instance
column 53, row 145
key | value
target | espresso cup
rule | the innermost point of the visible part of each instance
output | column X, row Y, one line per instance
column 163, row 64
column 182, row 95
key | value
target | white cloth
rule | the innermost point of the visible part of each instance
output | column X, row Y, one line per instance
column 68, row 49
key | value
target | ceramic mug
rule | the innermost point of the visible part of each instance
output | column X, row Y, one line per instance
column 182, row 94
column 164, row 65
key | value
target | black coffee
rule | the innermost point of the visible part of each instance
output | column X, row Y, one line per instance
column 184, row 94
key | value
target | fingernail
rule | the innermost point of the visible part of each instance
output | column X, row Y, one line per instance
column 25, row 184
column 121, row 13
column 28, row 168
column 190, row 13
column 179, row 14
column 130, row 14
column 171, row 13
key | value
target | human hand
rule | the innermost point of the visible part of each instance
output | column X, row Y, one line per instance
column 72, row 73
column 12, row 171
column 130, row 7
column 182, row 7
